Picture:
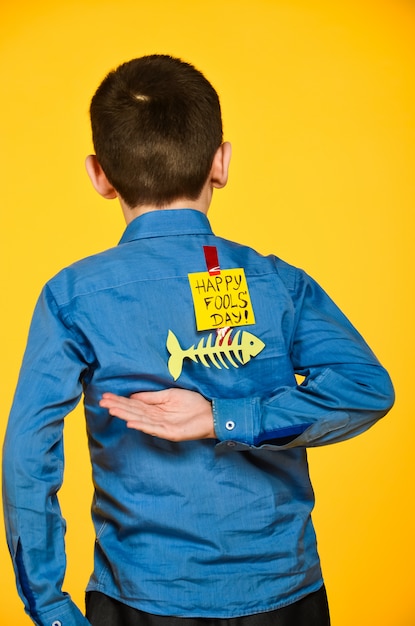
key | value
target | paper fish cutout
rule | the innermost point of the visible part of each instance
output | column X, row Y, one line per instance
column 241, row 347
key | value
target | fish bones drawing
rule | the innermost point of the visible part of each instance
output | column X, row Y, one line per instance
column 240, row 348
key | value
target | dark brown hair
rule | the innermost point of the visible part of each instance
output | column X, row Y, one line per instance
column 156, row 125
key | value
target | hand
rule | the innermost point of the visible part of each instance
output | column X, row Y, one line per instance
column 173, row 414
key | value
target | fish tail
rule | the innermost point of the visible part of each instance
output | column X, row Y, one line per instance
column 175, row 362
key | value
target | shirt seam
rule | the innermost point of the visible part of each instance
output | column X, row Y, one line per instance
column 132, row 282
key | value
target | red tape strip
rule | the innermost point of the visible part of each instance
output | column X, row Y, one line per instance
column 212, row 260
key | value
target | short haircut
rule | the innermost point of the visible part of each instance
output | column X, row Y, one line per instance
column 156, row 126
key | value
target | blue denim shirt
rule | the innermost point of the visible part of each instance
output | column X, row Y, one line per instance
column 211, row 528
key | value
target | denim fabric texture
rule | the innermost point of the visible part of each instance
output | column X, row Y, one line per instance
column 211, row 528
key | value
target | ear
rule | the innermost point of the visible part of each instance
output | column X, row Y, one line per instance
column 220, row 165
column 98, row 178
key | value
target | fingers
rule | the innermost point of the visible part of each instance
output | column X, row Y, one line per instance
column 139, row 415
column 124, row 408
column 174, row 414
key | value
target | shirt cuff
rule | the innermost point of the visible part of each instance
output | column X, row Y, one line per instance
column 236, row 420
column 67, row 614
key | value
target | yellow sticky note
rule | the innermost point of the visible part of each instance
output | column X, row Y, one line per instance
column 221, row 300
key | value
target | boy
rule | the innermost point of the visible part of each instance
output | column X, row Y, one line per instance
column 202, row 500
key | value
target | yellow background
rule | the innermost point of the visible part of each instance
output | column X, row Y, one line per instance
column 318, row 100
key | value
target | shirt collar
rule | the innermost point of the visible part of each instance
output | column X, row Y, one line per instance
column 162, row 223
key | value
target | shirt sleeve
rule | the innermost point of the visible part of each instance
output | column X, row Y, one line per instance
column 49, row 387
column 345, row 390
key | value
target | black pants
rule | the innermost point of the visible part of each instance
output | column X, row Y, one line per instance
column 310, row 611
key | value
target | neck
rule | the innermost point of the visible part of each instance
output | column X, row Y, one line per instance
column 201, row 204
